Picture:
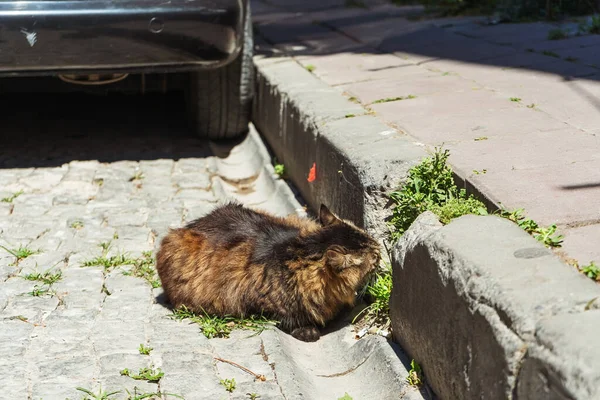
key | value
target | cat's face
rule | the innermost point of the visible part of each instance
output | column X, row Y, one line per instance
column 352, row 250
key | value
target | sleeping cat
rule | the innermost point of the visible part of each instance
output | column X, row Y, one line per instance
column 236, row 261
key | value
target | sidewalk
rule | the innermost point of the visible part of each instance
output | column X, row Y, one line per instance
column 519, row 113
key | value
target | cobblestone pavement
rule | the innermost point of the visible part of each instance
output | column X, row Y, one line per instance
column 79, row 183
column 518, row 112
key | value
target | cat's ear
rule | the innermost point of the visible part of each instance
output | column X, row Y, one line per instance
column 337, row 258
column 326, row 217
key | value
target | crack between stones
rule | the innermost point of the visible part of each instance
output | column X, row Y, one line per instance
column 265, row 357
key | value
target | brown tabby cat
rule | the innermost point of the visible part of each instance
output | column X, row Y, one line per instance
column 236, row 261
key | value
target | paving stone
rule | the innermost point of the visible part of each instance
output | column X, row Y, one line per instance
column 577, row 239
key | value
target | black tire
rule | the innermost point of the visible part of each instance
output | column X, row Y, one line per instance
column 220, row 100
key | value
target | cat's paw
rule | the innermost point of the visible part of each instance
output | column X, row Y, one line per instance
column 307, row 334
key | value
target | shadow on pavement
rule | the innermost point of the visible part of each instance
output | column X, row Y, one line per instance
column 48, row 130
column 331, row 27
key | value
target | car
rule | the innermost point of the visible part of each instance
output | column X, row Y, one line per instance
column 203, row 47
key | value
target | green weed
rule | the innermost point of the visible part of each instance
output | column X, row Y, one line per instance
column 228, row 384
column 77, row 225
column 515, row 99
column 591, row 270
column 350, row 116
column 430, row 185
column 109, row 262
column 145, row 374
column 310, row 68
column 12, row 197
column 145, row 350
column 593, row 26
column 143, row 267
column 545, row 235
column 146, row 395
column 212, row 326
column 46, row 277
column 458, row 207
column 415, row 374
column 20, row 253
column 550, row 54
column 253, row 396
column 480, row 138
column 532, row 105
column 346, row 396
column 390, row 99
column 101, row 395
column 380, row 290
column 138, row 176
column 557, row 34
column 279, row 169
column 41, row 291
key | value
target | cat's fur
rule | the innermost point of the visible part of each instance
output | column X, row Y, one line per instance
column 236, row 261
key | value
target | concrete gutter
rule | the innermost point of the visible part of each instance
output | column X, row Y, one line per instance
column 487, row 311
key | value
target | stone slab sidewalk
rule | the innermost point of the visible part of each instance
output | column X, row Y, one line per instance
column 519, row 113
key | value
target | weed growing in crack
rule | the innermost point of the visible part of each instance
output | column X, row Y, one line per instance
column 378, row 312
column 550, row 54
column 515, row 99
column 145, row 374
column 12, row 197
column 228, row 384
column 138, row 176
column 77, row 225
column 557, row 34
column 253, row 396
column 108, row 262
column 145, row 350
column 310, row 68
column 143, row 267
column 591, row 270
column 213, row 327
column 46, row 277
column 39, row 291
column 279, row 169
column 390, row 99
column 430, row 186
column 20, row 253
column 346, row 396
column 101, row 395
column 415, row 374
column 136, row 395
column 547, row 235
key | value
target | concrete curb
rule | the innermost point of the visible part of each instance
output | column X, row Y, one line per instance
column 483, row 306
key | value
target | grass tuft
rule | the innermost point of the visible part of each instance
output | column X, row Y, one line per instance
column 221, row 327
column 557, row 34
column 145, row 374
column 415, row 374
column 101, row 395
column 12, row 197
column 20, row 253
column 228, row 384
column 144, row 350
column 390, row 99
column 143, row 267
column 46, row 277
column 591, row 270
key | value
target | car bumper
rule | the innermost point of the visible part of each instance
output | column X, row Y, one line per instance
column 78, row 36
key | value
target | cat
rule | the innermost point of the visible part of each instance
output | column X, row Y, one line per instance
column 236, row 261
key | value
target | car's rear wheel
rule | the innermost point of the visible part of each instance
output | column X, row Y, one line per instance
column 220, row 100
